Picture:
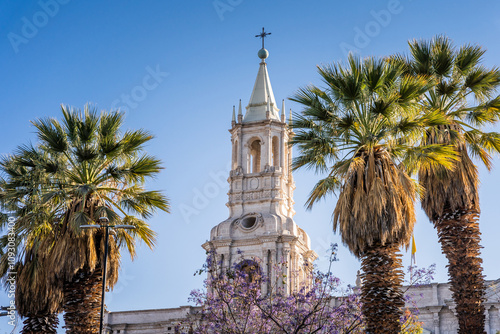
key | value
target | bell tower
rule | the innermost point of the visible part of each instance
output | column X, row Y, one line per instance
column 260, row 223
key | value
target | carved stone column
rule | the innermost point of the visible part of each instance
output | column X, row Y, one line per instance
column 269, row 148
column 293, row 270
column 273, row 273
column 282, row 153
column 435, row 323
column 435, row 319
column 239, row 148
column 265, row 270
column 286, row 269
column 487, row 320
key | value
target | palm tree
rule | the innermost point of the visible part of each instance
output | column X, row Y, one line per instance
column 464, row 95
column 85, row 169
column 357, row 129
column 38, row 294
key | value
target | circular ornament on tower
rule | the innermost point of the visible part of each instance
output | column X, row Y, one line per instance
column 254, row 183
column 250, row 221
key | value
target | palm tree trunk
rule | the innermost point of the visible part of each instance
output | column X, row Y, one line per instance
column 82, row 302
column 40, row 323
column 459, row 236
column 381, row 295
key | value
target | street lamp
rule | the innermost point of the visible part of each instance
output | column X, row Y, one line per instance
column 104, row 222
column 4, row 311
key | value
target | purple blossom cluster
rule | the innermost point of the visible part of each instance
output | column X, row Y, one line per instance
column 234, row 300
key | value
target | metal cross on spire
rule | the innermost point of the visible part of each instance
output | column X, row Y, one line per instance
column 263, row 35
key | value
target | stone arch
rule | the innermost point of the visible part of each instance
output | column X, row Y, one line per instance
column 250, row 270
column 254, row 155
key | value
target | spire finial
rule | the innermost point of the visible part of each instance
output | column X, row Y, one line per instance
column 290, row 122
column 263, row 53
column 240, row 113
column 263, row 35
column 234, row 115
column 283, row 111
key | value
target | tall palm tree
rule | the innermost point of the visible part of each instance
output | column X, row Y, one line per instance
column 38, row 294
column 464, row 94
column 358, row 129
column 86, row 169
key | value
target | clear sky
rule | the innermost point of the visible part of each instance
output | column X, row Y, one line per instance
column 178, row 67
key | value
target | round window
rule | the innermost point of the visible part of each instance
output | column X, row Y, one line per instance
column 248, row 222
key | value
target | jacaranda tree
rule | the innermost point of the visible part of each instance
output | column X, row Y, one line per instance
column 232, row 302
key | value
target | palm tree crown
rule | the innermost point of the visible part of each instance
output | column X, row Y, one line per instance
column 358, row 129
column 464, row 94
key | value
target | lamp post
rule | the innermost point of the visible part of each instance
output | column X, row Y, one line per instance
column 104, row 223
column 4, row 311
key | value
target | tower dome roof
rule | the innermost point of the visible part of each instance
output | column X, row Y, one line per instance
column 262, row 99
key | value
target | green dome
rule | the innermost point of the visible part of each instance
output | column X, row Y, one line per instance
column 263, row 54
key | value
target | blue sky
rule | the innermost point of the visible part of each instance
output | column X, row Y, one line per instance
column 177, row 68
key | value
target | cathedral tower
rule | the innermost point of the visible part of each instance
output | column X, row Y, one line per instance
column 260, row 223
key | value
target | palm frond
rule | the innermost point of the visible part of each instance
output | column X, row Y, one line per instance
column 140, row 168
column 142, row 230
column 443, row 56
column 88, row 125
column 51, row 134
column 132, row 141
column 421, row 57
column 468, row 57
column 481, row 81
column 430, row 157
column 323, row 188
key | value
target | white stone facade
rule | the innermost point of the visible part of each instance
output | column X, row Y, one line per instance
column 436, row 308
column 158, row 321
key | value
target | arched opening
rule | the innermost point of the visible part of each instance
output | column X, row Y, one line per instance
column 235, row 155
column 276, row 151
column 249, row 270
column 255, row 156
